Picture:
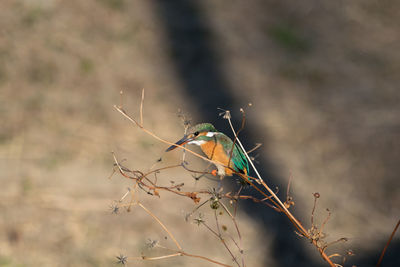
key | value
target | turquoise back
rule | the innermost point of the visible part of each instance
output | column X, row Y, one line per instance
column 239, row 160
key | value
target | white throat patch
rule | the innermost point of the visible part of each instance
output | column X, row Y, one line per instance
column 197, row 142
column 211, row 134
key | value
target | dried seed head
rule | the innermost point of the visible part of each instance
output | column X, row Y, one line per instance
column 199, row 220
column 214, row 204
column 114, row 208
column 226, row 114
column 317, row 195
column 122, row 259
column 151, row 243
column 185, row 118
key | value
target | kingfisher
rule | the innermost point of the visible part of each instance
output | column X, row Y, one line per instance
column 217, row 147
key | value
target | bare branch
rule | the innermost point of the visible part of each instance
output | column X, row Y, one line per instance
column 387, row 244
column 162, row 225
column 205, row 258
column 316, row 196
column 155, row 258
column 257, row 146
column 325, row 221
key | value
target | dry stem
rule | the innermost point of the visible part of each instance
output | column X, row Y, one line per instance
column 162, row 225
column 387, row 244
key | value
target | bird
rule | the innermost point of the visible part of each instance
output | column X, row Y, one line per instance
column 217, row 147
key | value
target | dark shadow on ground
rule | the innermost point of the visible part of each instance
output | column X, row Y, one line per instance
column 371, row 258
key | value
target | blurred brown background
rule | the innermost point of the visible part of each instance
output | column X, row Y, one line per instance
column 323, row 79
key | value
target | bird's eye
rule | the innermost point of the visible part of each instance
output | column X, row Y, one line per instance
column 196, row 133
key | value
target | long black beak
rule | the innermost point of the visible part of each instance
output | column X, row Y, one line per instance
column 183, row 141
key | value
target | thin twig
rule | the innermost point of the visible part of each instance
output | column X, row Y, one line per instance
column 237, row 202
column 288, row 186
column 121, row 99
column 179, row 253
column 223, row 240
column 141, row 108
column 343, row 239
column 256, row 200
column 233, row 219
column 124, row 196
column 153, row 186
column 162, row 225
column 316, row 196
column 155, row 258
column 237, row 230
column 184, row 151
column 116, row 161
column 325, row 221
column 387, row 244
column 195, row 209
column 205, row 258
column 211, row 230
column 289, row 200
column 257, row 146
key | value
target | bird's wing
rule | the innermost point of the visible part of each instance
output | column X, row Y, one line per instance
column 238, row 159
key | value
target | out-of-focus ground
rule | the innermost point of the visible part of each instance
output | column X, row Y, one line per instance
column 323, row 79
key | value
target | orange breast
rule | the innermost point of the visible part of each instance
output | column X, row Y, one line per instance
column 215, row 151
